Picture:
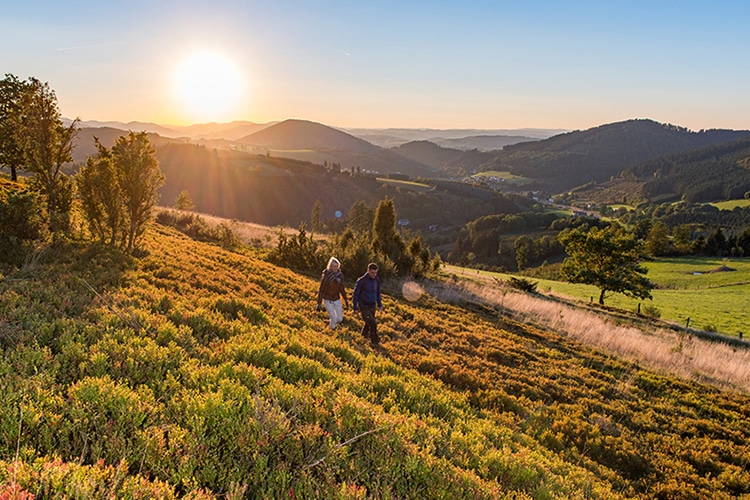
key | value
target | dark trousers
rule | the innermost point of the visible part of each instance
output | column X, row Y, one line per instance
column 370, row 328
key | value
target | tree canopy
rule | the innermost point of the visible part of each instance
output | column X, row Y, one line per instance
column 608, row 258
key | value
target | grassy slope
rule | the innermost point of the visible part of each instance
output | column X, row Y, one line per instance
column 684, row 289
column 193, row 370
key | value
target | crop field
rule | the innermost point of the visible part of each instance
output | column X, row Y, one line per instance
column 691, row 291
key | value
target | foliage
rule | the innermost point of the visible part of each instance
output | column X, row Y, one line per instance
column 118, row 189
column 512, row 241
column 183, row 201
column 102, row 198
column 22, row 222
column 191, row 372
column 11, row 92
column 523, row 284
column 608, row 258
column 298, row 252
column 197, row 228
column 46, row 145
column 139, row 177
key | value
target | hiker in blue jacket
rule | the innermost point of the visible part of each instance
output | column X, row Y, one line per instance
column 365, row 299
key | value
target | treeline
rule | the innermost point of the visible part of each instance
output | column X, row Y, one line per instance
column 371, row 235
column 112, row 197
column 514, row 242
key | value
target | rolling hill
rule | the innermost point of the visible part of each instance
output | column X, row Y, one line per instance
column 303, row 134
column 568, row 160
column 200, row 372
column 446, row 161
column 718, row 172
column 305, row 140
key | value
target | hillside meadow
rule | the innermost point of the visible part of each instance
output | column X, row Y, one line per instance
column 698, row 289
column 193, row 371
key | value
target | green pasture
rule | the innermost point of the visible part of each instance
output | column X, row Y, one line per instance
column 414, row 186
column 731, row 204
column 685, row 288
column 510, row 179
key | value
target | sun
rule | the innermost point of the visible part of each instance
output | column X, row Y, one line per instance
column 208, row 86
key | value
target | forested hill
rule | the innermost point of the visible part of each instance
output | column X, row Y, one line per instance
column 596, row 154
column 445, row 161
column 193, row 371
column 718, row 172
column 707, row 174
column 273, row 191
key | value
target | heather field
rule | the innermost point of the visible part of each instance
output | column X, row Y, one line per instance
column 194, row 371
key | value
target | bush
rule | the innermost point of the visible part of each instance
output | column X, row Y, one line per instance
column 523, row 284
column 22, row 219
column 651, row 311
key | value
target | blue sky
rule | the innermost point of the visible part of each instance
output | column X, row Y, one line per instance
column 418, row 64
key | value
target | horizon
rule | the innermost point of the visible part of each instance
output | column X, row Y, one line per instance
column 418, row 65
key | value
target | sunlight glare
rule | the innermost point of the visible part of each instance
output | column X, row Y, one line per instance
column 208, row 86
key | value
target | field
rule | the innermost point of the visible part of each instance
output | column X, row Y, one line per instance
column 503, row 177
column 685, row 289
column 410, row 185
column 731, row 204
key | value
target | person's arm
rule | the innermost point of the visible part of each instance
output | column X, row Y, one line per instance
column 343, row 294
column 355, row 295
column 320, row 288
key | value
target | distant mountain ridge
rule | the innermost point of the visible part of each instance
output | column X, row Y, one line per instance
column 555, row 164
column 575, row 158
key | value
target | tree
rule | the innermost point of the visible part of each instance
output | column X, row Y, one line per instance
column 139, row 177
column 183, row 201
column 657, row 242
column 385, row 238
column 11, row 93
column 315, row 224
column 101, row 197
column 524, row 249
column 607, row 258
column 361, row 217
column 47, row 145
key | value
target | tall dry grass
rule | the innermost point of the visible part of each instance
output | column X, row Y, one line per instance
column 678, row 353
column 250, row 233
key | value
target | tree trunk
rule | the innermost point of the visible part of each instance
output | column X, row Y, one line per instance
column 601, row 298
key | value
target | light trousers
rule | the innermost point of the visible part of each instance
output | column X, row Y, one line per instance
column 334, row 312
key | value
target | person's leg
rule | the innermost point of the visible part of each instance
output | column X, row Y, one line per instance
column 338, row 310
column 365, row 325
column 374, row 330
column 369, row 330
column 331, row 309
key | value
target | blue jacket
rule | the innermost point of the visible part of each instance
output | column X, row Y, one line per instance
column 367, row 292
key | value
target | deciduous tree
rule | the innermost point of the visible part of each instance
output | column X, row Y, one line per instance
column 102, row 197
column 607, row 258
column 47, row 144
column 11, row 93
column 139, row 178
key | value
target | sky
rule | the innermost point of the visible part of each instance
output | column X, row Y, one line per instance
column 435, row 64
